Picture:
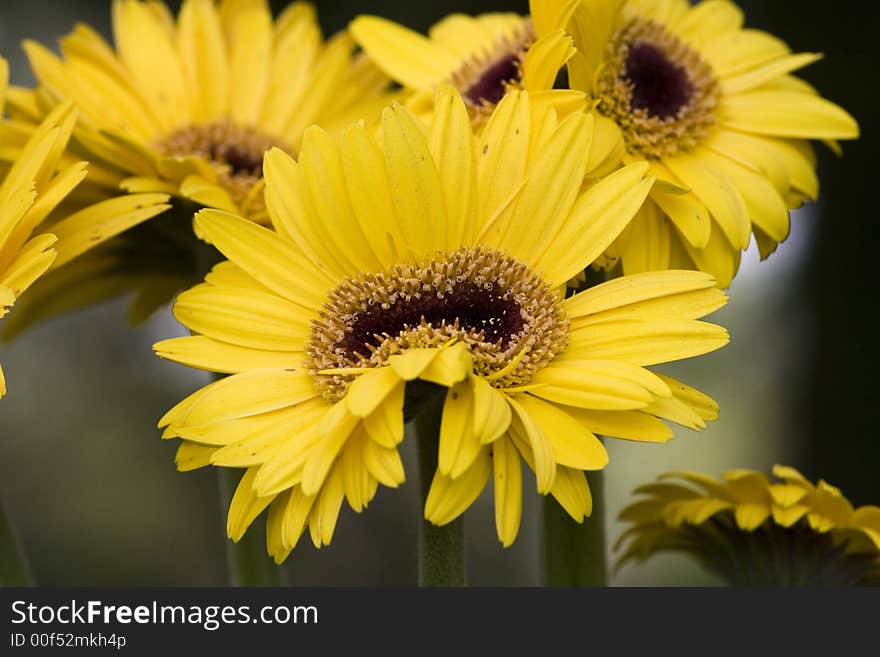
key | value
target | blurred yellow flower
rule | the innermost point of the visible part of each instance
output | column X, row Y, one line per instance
column 188, row 107
column 714, row 109
column 753, row 531
column 483, row 57
column 38, row 225
column 440, row 257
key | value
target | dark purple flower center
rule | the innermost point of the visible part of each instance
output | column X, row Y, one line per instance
column 491, row 311
column 490, row 86
column 659, row 86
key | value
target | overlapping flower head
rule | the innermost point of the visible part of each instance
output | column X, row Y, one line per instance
column 439, row 257
column 189, row 106
column 483, row 57
column 714, row 109
column 38, row 200
column 753, row 531
column 185, row 107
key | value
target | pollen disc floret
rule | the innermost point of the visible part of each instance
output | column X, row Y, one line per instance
column 660, row 92
column 486, row 77
column 236, row 150
column 508, row 316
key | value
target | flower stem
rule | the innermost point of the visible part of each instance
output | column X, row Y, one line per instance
column 441, row 549
column 574, row 554
column 247, row 562
column 14, row 570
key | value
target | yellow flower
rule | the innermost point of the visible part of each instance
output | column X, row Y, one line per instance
column 35, row 212
column 188, row 107
column 750, row 530
column 440, row 257
column 482, row 56
column 714, row 109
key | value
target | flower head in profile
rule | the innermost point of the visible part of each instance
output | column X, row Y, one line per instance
column 39, row 207
column 439, row 257
column 751, row 531
column 716, row 112
column 483, row 57
column 189, row 106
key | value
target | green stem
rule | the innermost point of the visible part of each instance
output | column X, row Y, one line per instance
column 574, row 554
column 247, row 561
column 14, row 570
column 441, row 549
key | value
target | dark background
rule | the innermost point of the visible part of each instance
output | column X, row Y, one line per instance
column 94, row 492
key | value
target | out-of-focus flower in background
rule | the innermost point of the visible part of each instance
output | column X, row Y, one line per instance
column 752, row 531
column 714, row 110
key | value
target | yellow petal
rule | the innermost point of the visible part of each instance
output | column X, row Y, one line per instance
column 686, row 211
column 356, row 478
column 554, row 180
column 296, row 515
column 453, row 148
column 646, row 245
column 448, row 498
column 370, row 389
column 598, row 217
column 414, row 181
column 243, row 317
column 333, row 431
column 598, row 384
column 406, row 56
column 766, row 206
column 288, row 202
column 717, row 192
column 508, row 490
column 788, row 114
column 204, row 192
column 544, row 58
column 98, row 223
column 274, row 528
column 573, row 494
column 410, row 364
column 146, row 49
column 385, row 424
column 192, row 456
column 203, row 54
column 295, row 60
column 249, row 34
column 325, row 513
column 322, row 168
column 633, row 290
column 206, row 353
column 449, row 366
column 384, row 464
column 261, row 253
column 628, row 425
column 251, row 393
column 245, row 506
column 459, row 445
column 502, row 154
column 767, row 72
column 367, row 181
column 646, row 342
column 492, row 415
column 540, row 448
column 573, row 445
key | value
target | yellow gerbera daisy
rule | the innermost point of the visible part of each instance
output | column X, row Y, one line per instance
column 752, row 531
column 714, row 109
column 482, row 56
column 188, row 107
column 38, row 179
column 438, row 257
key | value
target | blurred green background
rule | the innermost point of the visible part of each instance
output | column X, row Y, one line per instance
column 95, row 495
